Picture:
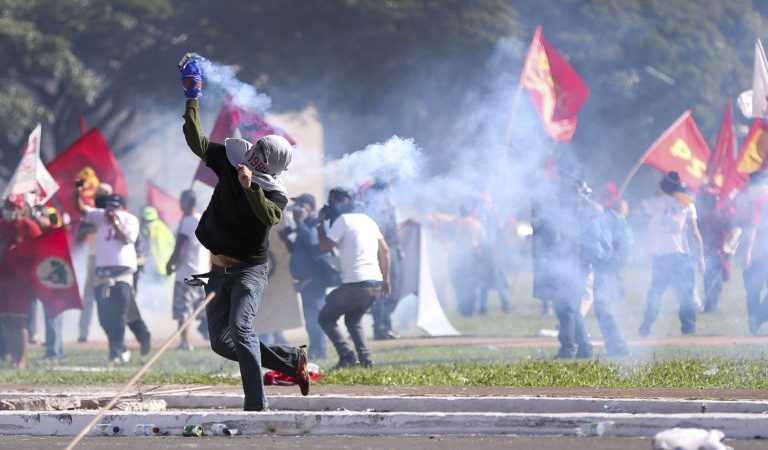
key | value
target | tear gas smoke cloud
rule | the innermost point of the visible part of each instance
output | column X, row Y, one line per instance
column 244, row 95
column 397, row 158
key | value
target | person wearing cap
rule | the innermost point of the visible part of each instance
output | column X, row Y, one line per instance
column 672, row 226
column 310, row 269
column 612, row 235
column 189, row 257
column 15, row 299
column 248, row 200
column 116, row 234
column 155, row 244
column 86, row 234
column 364, row 260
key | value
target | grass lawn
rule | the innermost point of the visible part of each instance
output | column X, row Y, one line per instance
column 722, row 366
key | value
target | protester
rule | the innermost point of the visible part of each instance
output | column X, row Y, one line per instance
column 116, row 234
column 86, row 234
column 754, row 201
column 570, row 272
column 378, row 206
column 248, row 199
column 189, row 257
column 155, row 245
column 672, row 216
column 544, row 224
column 608, row 246
column 15, row 298
column 493, row 276
column 468, row 251
column 310, row 268
column 716, row 231
column 364, row 259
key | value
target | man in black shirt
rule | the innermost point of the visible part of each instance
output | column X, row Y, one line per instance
column 247, row 201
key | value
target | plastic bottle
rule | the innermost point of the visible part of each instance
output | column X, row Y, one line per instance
column 221, row 429
column 192, row 430
column 595, row 428
column 146, row 429
column 107, row 429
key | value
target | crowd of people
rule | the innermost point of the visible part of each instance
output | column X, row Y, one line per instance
column 346, row 258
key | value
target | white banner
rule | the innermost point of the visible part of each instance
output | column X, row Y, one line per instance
column 760, row 83
column 31, row 176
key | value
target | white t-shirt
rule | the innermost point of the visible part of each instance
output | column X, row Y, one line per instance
column 110, row 250
column 357, row 237
column 668, row 226
column 196, row 258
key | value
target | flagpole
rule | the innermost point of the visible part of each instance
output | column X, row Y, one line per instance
column 631, row 174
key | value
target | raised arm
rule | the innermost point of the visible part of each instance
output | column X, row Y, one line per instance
column 193, row 130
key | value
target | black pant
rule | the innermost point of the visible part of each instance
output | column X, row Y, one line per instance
column 351, row 300
column 112, row 303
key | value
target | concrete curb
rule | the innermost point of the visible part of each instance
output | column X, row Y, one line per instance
column 739, row 426
column 539, row 405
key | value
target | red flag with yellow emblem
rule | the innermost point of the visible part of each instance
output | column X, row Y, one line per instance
column 90, row 159
column 752, row 157
column 683, row 149
column 556, row 90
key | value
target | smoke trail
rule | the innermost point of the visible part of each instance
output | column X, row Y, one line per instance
column 244, row 95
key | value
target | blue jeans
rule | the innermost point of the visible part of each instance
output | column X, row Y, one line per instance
column 54, row 345
column 230, row 324
column 572, row 335
column 673, row 270
column 606, row 289
column 313, row 300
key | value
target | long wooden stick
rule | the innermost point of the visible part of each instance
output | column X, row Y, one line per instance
column 631, row 174
column 140, row 372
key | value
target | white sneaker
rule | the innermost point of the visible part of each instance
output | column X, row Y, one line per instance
column 125, row 356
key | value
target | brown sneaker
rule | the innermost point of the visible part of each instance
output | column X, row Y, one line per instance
column 302, row 373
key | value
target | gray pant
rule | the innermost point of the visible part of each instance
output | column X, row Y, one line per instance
column 351, row 300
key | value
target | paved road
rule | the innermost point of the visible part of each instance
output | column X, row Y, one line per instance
column 347, row 442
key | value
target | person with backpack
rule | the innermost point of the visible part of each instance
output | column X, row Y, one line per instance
column 610, row 239
column 672, row 217
column 310, row 269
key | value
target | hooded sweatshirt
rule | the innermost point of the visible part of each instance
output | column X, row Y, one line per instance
column 237, row 221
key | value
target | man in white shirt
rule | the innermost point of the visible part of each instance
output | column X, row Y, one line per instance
column 364, row 260
column 189, row 256
column 672, row 217
column 116, row 234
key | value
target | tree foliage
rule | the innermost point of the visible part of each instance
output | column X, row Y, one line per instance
column 372, row 68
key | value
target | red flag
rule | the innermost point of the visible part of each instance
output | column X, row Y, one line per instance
column 167, row 206
column 721, row 160
column 44, row 264
column 234, row 121
column 556, row 90
column 681, row 148
column 752, row 156
column 91, row 159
